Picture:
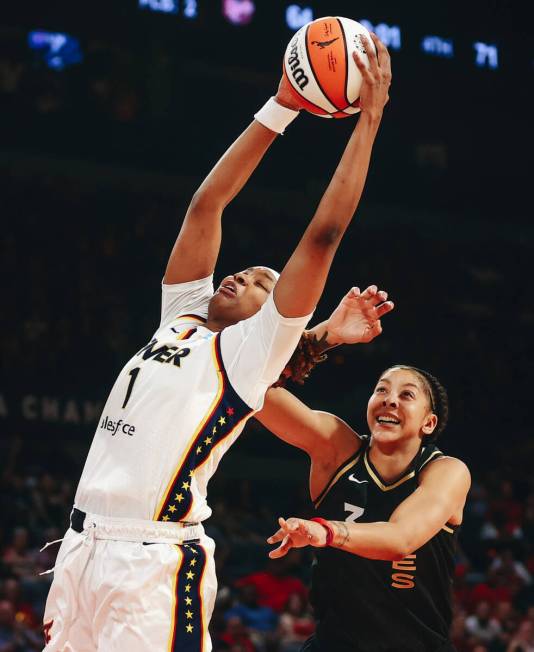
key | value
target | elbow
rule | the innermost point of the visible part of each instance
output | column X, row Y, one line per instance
column 327, row 237
column 204, row 201
column 400, row 548
column 398, row 554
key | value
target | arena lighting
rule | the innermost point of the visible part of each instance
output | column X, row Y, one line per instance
column 438, row 46
column 297, row 16
column 239, row 12
column 190, row 9
column 162, row 6
column 390, row 35
column 55, row 49
column 486, row 55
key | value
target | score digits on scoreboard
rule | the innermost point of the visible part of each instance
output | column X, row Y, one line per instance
column 188, row 8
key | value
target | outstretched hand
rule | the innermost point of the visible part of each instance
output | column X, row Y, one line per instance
column 357, row 318
column 296, row 533
column 376, row 79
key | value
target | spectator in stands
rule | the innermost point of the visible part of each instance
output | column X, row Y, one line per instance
column 236, row 636
column 506, row 507
column 260, row 621
column 18, row 556
column 296, row 624
column 15, row 635
column 458, row 633
column 11, row 591
column 492, row 589
column 523, row 641
column 276, row 583
column 512, row 571
column 481, row 625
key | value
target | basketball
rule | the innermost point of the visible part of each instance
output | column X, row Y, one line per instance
column 319, row 66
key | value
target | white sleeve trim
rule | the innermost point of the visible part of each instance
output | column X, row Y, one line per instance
column 256, row 350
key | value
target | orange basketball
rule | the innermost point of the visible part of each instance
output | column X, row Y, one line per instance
column 319, row 66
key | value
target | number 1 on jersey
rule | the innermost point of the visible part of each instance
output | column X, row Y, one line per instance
column 133, row 375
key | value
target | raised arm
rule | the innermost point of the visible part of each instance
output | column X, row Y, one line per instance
column 302, row 280
column 197, row 247
column 324, row 436
column 321, row 434
column 440, row 498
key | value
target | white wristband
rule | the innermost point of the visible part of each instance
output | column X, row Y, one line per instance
column 274, row 116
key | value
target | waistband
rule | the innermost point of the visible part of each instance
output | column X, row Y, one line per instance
column 136, row 530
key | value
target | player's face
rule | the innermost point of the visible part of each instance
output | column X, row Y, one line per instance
column 241, row 295
column 399, row 407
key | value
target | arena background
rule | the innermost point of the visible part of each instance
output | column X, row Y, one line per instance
column 111, row 113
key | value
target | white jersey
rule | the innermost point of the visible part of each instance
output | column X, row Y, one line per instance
column 179, row 404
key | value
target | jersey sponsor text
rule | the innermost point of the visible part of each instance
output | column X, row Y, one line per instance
column 164, row 354
column 115, row 426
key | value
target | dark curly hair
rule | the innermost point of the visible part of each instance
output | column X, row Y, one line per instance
column 305, row 357
column 437, row 395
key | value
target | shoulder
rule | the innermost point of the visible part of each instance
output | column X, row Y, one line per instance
column 446, row 471
column 334, row 443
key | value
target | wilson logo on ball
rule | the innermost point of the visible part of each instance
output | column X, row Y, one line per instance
column 319, row 67
column 296, row 71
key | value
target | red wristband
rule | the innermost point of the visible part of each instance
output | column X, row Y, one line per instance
column 328, row 527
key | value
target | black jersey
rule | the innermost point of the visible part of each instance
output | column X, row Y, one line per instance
column 365, row 605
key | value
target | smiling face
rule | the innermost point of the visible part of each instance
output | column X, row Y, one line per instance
column 241, row 295
column 400, row 407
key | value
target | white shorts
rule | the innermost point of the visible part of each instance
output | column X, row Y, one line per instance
column 122, row 585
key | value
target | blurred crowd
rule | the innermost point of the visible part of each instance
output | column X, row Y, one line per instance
column 130, row 101
column 105, row 82
column 262, row 604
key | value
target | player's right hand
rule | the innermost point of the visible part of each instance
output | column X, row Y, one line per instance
column 296, row 533
column 357, row 318
column 374, row 93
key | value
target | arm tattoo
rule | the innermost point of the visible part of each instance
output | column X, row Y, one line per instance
column 342, row 534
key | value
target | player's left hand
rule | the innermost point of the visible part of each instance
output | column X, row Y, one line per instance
column 296, row 533
column 357, row 318
column 286, row 96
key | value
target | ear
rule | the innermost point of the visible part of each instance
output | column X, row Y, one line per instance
column 430, row 424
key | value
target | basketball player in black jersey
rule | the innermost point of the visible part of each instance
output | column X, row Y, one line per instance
column 389, row 507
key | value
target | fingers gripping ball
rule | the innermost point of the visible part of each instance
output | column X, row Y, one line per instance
column 320, row 67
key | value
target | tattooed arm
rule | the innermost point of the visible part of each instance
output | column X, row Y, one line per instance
column 439, row 499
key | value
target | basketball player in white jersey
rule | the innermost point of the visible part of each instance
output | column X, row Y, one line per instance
column 135, row 571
